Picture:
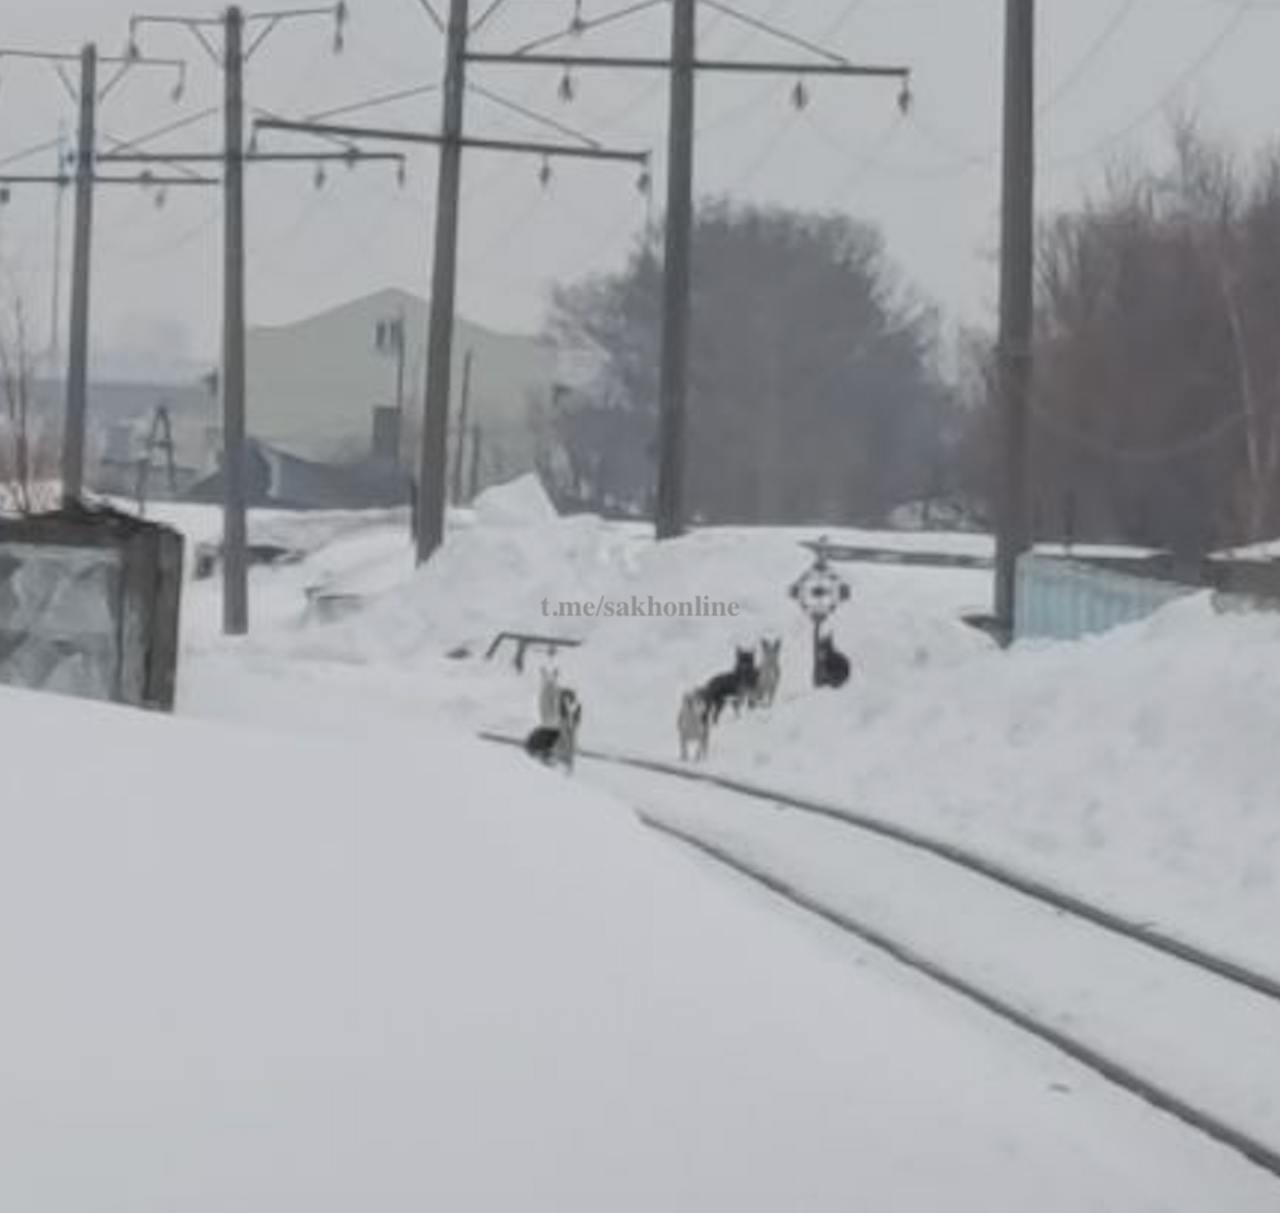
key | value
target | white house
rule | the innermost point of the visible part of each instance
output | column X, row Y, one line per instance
column 314, row 385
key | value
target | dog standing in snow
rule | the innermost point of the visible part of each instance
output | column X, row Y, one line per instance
column 770, row 671
column 693, row 725
column 736, row 686
column 558, row 742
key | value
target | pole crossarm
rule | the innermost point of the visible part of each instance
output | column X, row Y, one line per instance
column 657, row 63
column 12, row 52
column 98, row 179
column 532, row 147
column 249, row 157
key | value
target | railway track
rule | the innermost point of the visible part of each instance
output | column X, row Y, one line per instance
column 1264, row 984
column 1194, row 1033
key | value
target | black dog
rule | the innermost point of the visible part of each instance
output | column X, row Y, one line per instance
column 738, row 685
column 833, row 665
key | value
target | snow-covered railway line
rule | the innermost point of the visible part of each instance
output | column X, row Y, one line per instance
column 1199, row 1040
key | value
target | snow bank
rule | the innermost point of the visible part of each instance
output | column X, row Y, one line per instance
column 265, row 972
column 519, row 502
column 1137, row 767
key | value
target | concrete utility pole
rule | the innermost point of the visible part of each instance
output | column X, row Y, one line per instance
column 232, row 158
column 673, row 392
column 432, row 484
column 1017, row 253
column 78, row 350
column 87, row 95
column 444, row 278
column 683, row 66
column 235, row 562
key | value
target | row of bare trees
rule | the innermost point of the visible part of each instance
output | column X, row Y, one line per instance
column 1157, row 398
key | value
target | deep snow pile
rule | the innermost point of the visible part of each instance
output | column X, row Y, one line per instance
column 261, row 971
column 1136, row 768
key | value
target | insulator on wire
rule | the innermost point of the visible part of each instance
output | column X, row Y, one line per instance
column 4, row 195
column 179, row 86
column 544, row 173
column 319, row 178
column 644, row 182
column 131, row 50
column 905, row 97
column 401, row 175
column 161, row 197
column 350, row 158
column 576, row 23
column 567, row 88
column 145, row 176
column 800, row 94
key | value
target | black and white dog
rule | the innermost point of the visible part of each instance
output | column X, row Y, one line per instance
column 737, row 686
column 558, row 743
column 833, row 666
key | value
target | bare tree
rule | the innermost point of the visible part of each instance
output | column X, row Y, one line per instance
column 814, row 393
column 28, row 455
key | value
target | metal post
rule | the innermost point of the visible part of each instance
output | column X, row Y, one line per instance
column 669, row 521
column 1016, row 302
column 433, row 463
column 462, row 427
column 475, row 461
column 55, row 325
column 235, row 584
column 78, row 351
column 400, row 357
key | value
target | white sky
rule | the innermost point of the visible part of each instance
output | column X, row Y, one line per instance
column 1109, row 72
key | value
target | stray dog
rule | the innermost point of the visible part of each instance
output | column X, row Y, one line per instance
column 558, row 743
column 833, row 665
column 549, row 698
column 770, row 671
column 738, row 685
column 694, row 725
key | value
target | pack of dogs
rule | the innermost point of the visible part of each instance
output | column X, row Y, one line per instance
column 752, row 682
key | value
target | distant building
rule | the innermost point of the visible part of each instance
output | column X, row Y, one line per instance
column 322, row 417
column 324, row 388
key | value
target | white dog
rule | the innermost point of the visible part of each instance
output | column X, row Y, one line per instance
column 549, row 698
column 770, row 671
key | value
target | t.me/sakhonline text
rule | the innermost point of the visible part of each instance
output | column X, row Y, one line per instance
column 636, row 607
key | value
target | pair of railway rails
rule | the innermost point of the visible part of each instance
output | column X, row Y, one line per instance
column 1255, row 993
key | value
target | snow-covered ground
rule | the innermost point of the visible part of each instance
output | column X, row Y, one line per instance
column 311, row 946
column 1136, row 768
column 257, row 970
column 1209, row 1042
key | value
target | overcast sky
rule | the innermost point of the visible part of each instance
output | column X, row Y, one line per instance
column 1109, row 71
